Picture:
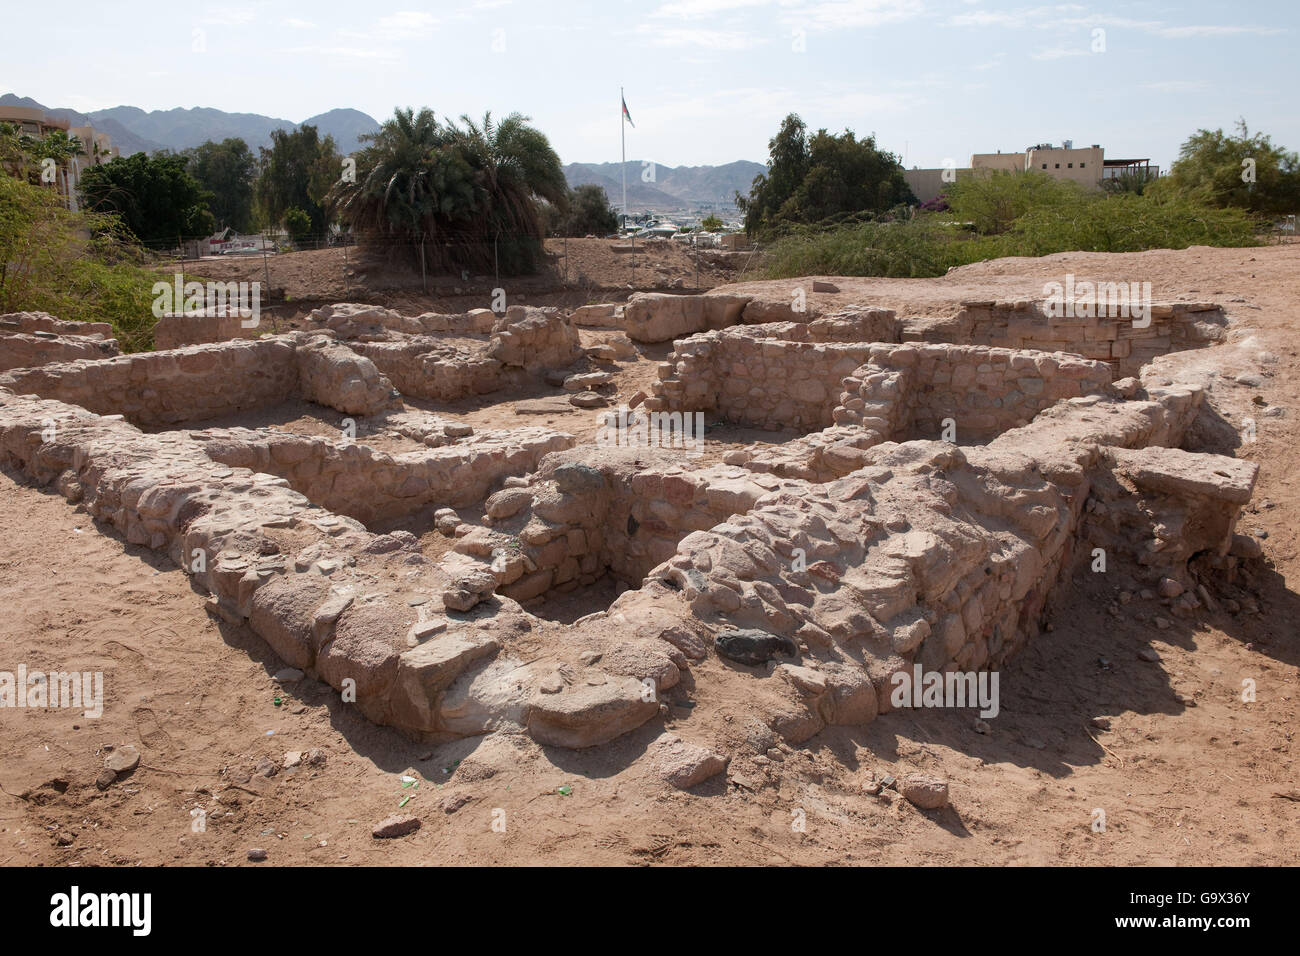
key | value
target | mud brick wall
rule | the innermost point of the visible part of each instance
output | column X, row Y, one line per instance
column 158, row 388
column 1026, row 325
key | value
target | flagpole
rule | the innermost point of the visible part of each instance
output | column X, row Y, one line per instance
column 622, row 136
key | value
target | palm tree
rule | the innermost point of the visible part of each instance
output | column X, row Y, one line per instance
column 460, row 196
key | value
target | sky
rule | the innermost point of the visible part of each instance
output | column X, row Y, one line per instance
column 706, row 81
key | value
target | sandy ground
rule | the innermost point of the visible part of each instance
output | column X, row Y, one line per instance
column 1187, row 772
column 576, row 272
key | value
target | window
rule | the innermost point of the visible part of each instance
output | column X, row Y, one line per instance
column 1070, row 165
column 1044, row 165
column 1081, row 165
column 1058, row 165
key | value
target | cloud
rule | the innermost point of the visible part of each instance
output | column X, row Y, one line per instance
column 707, row 39
column 1179, row 33
column 228, row 16
column 1058, row 53
column 1074, row 16
column 816, row 15
column 1178, row 86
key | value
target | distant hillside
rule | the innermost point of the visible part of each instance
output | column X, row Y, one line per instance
column 673, row 186
column 133, row 130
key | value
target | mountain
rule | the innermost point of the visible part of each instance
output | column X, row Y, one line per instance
column 133, row 130
column 674, row 187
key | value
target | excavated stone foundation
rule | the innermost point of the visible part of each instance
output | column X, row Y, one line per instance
column 945, row 480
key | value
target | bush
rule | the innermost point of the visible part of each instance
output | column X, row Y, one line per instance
column 1072, row 221
column 76, row 266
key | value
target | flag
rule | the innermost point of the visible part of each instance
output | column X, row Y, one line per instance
column 627, row 115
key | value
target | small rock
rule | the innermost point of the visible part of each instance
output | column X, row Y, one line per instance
column 123, row 759
column 257, row 854
column 587, row 400
column 316, row 757
column 925, row 791
column 1101, row 723
column 551, row 684
column 288, row 675
column 1250, row 379
column 265, row 768
column 106, row 779
column 1149, row 655
column 685, row 765
column 395, row 826
column 292, row 759
column 65, row 839
column 982, row 727
column 774, row 754
column 1163, row 623
column 1169, row 588
column 453, row 802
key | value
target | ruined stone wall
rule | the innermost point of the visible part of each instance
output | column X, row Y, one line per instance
column 29, row 322
column 335, row 376
column 944, row 556
column 589, row 512
column 1119, row 341
column 428, row 367
column 352, row 320
column 21, row 350
column 750, row 379
column 908, row 391
column 156, row 388
column 357, row 480
column 179, row 330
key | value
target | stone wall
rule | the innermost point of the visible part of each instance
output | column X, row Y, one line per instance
column 333, row 375
column 354, row 479
column 1173, row 326
column 352, row 320
column 907, row 391
column 22, row 350
column 428, row 367
column 176, row 331
column 588, row 512
column 160, row 388
column 44, row 322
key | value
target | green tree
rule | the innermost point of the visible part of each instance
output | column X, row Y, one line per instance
column 298, row 224
column 822, row 177
column 460, row 196
column 710, row 223
column 227, row 171
column 299, row 170
column 992, row 200
column 153, row 196
column 1246, row 171
column 589, row 213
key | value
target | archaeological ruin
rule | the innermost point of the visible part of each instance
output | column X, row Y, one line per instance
column 926, row 491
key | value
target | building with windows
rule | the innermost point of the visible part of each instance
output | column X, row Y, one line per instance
column 96, row 146
column 1087, row 166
